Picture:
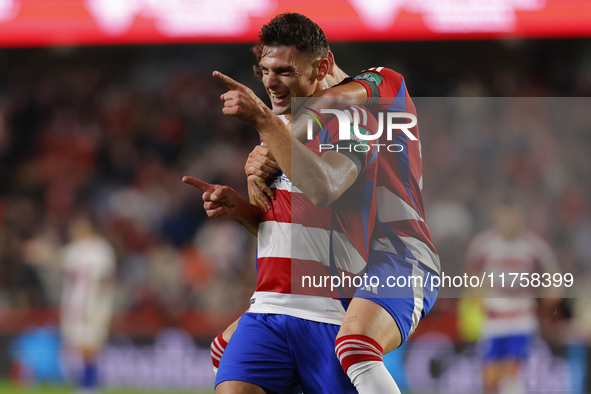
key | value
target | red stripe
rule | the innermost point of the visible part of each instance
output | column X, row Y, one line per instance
column 415, row 167
column 280, row 208
column 297, row 208
column 415, row 229
column 290, row 276
column 218, row 349
column 513, row 314
column 343, row 345
column 389, row 176
column 274, row 274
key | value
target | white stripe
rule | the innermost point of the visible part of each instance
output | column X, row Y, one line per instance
column 418, row 294
column 350, row 115
column 283, row 183
column 363, row 115
column 318, row 309
column 350, row 342
column 355, row 115
column 421, row 182
column 274, row 240
column 289, row 240
column 358, row 113
column 392, row 208
column 215, row 352
column 364, row 112
column 527, row 324
column 422, row 253
column 353, row 352
column 419, row 250
column 216, row 348
column 379, row 69
column 284, row 119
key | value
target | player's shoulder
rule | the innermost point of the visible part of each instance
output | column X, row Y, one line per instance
column 379, row 74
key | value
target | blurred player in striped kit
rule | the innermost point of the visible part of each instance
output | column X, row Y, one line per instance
column 89, row 266
column 511, row 311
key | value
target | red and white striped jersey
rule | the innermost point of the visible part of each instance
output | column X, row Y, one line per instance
column 510, row 309
column 298, row 239
column 402, row 229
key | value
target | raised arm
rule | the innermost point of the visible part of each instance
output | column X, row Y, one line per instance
column 322, row 179
column 258, row 166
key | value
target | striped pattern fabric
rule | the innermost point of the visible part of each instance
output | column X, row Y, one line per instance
column 511, row 310
column 297, row 239
column 217, row 350
column 401, row 214
column 352, row 349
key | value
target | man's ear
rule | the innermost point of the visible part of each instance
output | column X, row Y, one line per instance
column 331, row 62
column 325, row 66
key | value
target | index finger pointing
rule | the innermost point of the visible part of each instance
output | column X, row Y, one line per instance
column 198, row 183
column 226, row 80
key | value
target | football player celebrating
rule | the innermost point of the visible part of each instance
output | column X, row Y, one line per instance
column 402, row 237
column 376, row 321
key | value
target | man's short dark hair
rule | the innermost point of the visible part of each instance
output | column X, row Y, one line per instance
column 292, row 29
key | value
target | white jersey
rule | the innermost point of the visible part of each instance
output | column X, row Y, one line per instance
column 87, row 298
column 510, row 310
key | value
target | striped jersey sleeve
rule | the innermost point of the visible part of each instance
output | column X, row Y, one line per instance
column 402, row 227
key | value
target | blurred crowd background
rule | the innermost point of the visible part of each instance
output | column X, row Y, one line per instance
column 112, row 130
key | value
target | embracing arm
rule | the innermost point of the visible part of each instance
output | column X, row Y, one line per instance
column 337, row 97
column 322, row 179
column 260, row 168
column 261, row 165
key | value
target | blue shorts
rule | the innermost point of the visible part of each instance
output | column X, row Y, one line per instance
column 284, row 354
column 407, row 304
column 510, row 347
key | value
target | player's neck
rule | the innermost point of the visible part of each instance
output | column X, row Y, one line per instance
column 338, row 75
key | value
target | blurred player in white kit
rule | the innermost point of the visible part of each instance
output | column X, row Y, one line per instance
column 87, row 299
column 511, row 311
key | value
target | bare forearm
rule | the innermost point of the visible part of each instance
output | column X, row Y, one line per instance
column 247, row 215
column 251, row 196
column 321, row 179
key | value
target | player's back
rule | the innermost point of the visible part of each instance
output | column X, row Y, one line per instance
column 401, row 214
